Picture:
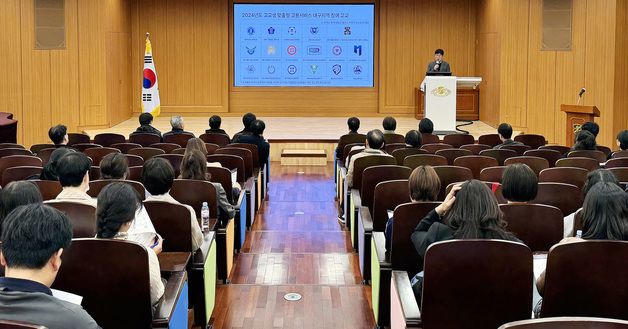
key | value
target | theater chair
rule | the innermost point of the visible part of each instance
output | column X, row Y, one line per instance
column 491, row 140
column 14, row 151
column 233, row 162
column 339, row 158
column 539, row 226
column 476, row 163
column 394, row 139
column 78, row 138
column 390, row 148
column 38, row 147
column 452, row 154
column 531, row 140
column 45, row 154
column 414, row 161
column 82, row 216
column 567, row 322
column 220, row 139
column 492, row 174
column 588, row 278
column 223, row 176
column 432, row 148
column 134, row 160
column 172, row 221
column 476, row 148
column 166, row 147
column 175, row 161
column 112, row 276
column 96, row 154
column 599, row 156
column 550, row 155
column 18, row 161
column 535, row 163
column 566, row 197
column 616, row 163
column 467, row 284
column 457, row 140
column 260, row 172
column 49, row 189
column 364, row 201
column 451, row 174
column 181, row 139
column 125, row 147
column 520, row 149
column 401, row 154
column 144, row 139
column 499, row 154
column 579, row 162
column 429, row 138
column 146, row 152
column 108, row 139
column 250, row 183
column 402, row 255
column 568, row 175
column 194, row 193
column 15, row 174
column 97, row 185
column 84, row 146
column 211, row 148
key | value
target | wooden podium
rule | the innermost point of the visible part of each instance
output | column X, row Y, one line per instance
column 576, row 116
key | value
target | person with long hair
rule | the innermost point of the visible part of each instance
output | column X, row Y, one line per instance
column 117, row 205
column 424, row 185
column 17, row 194
column 195, row 144
column 585, row 141
column 194, row 166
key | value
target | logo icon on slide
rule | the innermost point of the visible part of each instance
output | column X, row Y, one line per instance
column 357, row 49
column 347, row 30
column 292, row 69
column 336, row 50
column 271, row 30
column 251, row 50
column 336, row 69
column 250, row 30
column 270, row 69
column 314, row 68
column 250, row 68
column 271, row 50
column 292, row 30
column 314, row 29
column 313, row 50
column 357, row 70
column 292, row 49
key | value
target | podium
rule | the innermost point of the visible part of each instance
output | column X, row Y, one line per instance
column 440, row 103
column 576, row 116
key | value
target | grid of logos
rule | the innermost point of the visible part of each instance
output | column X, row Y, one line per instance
column 326, row 54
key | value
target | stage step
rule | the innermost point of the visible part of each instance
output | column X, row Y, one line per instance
column 303, row 157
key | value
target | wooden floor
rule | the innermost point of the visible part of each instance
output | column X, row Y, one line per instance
column 296, row 245
column 288, row 128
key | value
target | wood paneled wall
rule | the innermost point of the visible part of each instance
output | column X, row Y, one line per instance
column 533, row 83
column 79, row 86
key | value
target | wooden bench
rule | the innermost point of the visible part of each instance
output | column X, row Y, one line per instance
column 303, row 157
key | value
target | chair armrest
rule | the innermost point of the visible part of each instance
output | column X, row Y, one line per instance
column 402, row 301
column 249, row 184
column 355, row 196
column 367, row 220
column 168, row 302
column 200, row 256
column 238, row 203
column 343, row 172
column 379, row 241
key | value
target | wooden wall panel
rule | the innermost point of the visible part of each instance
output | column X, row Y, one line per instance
column 11, row 63
column 487, row 59
column 118, row 59
column 620, row 121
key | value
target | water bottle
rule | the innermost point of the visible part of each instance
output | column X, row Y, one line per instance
column 579, row 233
column 205, row 217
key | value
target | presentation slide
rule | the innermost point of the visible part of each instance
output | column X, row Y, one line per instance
column 303, row 45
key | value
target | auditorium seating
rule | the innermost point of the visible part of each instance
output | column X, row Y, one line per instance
column 108, row 139
column 11, row 146
column 538, row 226
column 620, row 173
column 414, row 161
column 125, row 147
column 606, row 150
column 520, row 149
column 144, row 139
column 568, row 175
column 550, row 155
column 231, row 162
column 245, row 154
column 535, row 163
column 562, row 149
column 134, row 160
column 78, row 138
column 82, row 216
column 211, row 148
column 579, row 162
column 457, row 140
column 451, row 174
column 531, row 140
column 97, row 185
column 429, row 139
column 491, row 140
column 401, row 154
column 587, row 278
column 620, row 154
column 432, row 148
column 45, row 154
column 38, row 147
column 390, row 148
column 499, row 154
column 223, row 176
column 167, row 147
column 181, row 139
column 567, row 322
column 175, row 160
column 394, row 139
column 475, row 148
column 19, row 160
column 14, row 151
column 492, row 174
column 218, row 139
column 116, row 293
column 135, row 173
column 81, row 147
column 616, row 162
column 475, row 163
column 146, row 152
column 452, row 154
column 599, row 156
column 467, row 284
column 96, row 154
column 565, row 197
column 14, row 174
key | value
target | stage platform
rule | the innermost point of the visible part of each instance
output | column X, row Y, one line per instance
column 289, row 132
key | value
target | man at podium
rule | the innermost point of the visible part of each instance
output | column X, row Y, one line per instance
column 438, row 65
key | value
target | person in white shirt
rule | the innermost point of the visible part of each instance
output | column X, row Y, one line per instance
column 158, row 177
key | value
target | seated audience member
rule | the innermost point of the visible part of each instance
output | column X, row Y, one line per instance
column 593, row 178
column 158, row 177
column 177, row 127
column 117, row 205
column 505, row 133
column 257, row 138
column 73, row 171
column 424, row 185
column 389, row 124
column 470, row 211
column 519, row 183
column 142, row 231
column 59, row 135
column 591, row 127
column 374, row 144
column 194, row 166
column 413, row 139
column 426, row 126
column 585, row 141
column 146, row 120
column 604, row 217
column 197, row 144
column 354, row 124
column 622, row 140
column 247, row 119
column 33, row 240
column 214, row 126
column 49, row 171
column 17, row 194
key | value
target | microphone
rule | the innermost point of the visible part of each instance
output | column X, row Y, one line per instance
column 582, row 91
column 437, row 65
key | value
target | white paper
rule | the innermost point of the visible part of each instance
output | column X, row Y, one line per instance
column 67, row 296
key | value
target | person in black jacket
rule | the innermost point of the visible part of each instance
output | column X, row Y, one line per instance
column 247, row 119
column 146, row 119
column 177, row 127
column 214, row 126
column 505, row 134
column 257, row 138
